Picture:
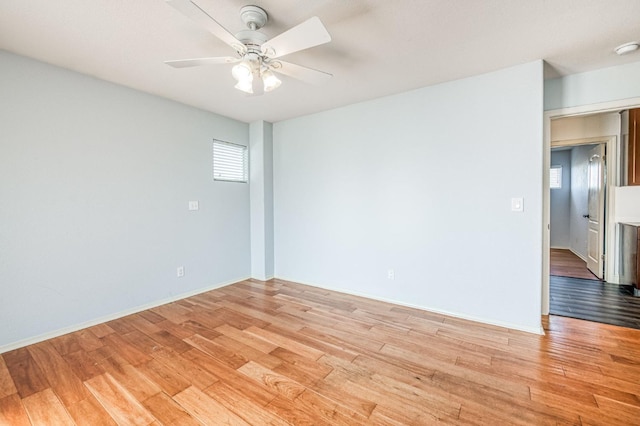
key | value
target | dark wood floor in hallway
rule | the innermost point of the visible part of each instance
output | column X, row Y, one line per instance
column 281, row 353
column 594, row 301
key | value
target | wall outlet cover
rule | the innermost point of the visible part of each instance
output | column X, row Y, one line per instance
column 517, row 204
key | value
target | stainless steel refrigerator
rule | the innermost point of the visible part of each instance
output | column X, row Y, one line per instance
column 629, row 260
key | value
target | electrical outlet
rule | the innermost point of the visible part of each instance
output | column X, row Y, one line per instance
column 180, row 271
column 391, row 274
column 193, row 205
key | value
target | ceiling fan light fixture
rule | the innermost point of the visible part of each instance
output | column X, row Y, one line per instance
column 257, row 55
column 242, row 71
column 270, row 81
column 245, row 86
column 623, row 49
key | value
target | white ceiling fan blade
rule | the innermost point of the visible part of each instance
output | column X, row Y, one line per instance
column 191, row 9
column 184, row 63
column 303, row 36
column 305, row 74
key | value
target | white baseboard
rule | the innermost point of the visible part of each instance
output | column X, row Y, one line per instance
column 535, row 330
column 263, row 279
column 111, row 317
column 578, row 254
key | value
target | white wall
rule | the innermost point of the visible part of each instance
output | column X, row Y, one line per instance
column 420, row 183
column 95, row 180
column 627, row 202
column 561, row 202
column 603, row 85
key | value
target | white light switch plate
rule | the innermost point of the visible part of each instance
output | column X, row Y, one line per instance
column 517, row 204
column 193, row 205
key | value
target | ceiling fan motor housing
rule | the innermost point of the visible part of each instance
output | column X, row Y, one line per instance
column 254, row 17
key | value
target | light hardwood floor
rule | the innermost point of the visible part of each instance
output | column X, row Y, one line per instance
column 282, row 353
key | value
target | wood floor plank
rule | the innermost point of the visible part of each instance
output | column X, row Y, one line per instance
column 286, row 409
column 7, row 387
column 152, row 317
column 101, row 330
column 277, row 382
column 249, row 410
column 206, row 409
column 45, row 409
column 119, row 403
column 254, row 391
column 166, row 378
column 67, row 386
column 87, row 340
column 142, row 324
column 125, row 349
column 66, row 343
column 246, row 338
column 12, row 412
column 298, row 368
column 218, row 352
column 130, row 378
column 183, row 366
column 285, row 342
column 89, row 412
column 26, row 375
column 168, row 411
column 141, row 342
column 328, row 410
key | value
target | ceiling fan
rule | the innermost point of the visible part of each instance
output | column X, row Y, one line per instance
column 257, row 56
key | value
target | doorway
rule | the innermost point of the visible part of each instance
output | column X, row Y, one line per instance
column 578, row 209
column 602, row 301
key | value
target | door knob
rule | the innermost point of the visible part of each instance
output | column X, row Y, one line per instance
column 586, row 216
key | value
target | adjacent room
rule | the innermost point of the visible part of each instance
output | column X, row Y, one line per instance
column 287, row 212
column 587, row 256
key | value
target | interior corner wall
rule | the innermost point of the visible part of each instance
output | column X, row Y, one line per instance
column 261, row 195
column 95, row 181
column 420, row 183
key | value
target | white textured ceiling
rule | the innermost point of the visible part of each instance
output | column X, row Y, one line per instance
column 379, row 47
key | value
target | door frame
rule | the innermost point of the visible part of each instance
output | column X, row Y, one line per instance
column 604, row 107
column 611, row 169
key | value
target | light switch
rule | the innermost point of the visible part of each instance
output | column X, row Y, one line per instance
column 193, row 205
column 517, row 204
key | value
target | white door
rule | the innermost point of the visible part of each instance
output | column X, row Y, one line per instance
column 595, row 233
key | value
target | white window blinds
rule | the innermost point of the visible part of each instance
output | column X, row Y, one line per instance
column 230, row 162
column 555, row 177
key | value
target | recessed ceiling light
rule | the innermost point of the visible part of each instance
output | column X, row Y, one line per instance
column 623, row 49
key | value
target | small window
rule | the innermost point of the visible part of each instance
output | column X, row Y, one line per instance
column 230, row 162
column 555, row 177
